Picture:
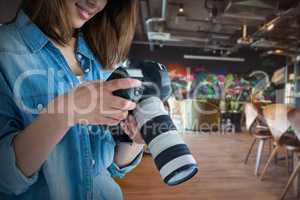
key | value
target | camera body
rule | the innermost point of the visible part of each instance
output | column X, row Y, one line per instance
column 154, row 77
column 171, row 155
column 133, row 94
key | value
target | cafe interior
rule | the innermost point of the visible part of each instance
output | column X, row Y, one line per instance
column 234, row 67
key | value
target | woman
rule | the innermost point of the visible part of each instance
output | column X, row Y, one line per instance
column 53, row 106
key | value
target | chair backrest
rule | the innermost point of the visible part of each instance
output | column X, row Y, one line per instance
column 250, row 115
column 276, row 116
column 294, row 118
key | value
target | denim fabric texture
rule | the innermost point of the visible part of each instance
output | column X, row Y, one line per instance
column 33, row 72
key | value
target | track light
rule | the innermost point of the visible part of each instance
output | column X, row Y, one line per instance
column 278, row 51
column 219, row 58
column 275, row 52
column 181, row 9
column 270, row 27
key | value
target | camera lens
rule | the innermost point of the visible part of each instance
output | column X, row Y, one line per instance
column 171, row 155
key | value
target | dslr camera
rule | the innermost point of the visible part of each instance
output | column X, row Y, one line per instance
column 171, row 155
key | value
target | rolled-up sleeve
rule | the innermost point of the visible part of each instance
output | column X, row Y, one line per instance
column 116, row 171
column 12, row 181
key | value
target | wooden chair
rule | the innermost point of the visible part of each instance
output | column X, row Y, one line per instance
column 294, row 119
column 260, row 134
column 276, row 118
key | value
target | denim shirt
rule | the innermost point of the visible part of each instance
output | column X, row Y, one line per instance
column 32, row 73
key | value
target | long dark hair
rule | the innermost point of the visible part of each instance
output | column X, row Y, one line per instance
column 109, row 34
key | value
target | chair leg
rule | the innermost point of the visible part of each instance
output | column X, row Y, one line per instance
column 270, row 146
column 287, row 161
column 259, row 155
column 290, row 181
column 275, row 156
column 272, row 156
column 250, row 150
column 296, row 179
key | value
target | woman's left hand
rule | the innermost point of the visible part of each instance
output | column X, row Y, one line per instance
column 131, row 129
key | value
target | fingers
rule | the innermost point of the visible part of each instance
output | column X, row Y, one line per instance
column 122, row 104
column 132, row 125
column 131, row 129
column 119, row 116
column 110, row 121
column 125, row 83
column 136, row 134
column 107, row 108
column 125, row 128
column 131, row 119
column 116, row 102
column 100, row 121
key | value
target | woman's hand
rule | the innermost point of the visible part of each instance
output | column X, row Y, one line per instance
column 91, row 103
column 126, row 152
column 131, row 129
column 94, row 103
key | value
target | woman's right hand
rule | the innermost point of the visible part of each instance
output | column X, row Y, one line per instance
column 94, row 103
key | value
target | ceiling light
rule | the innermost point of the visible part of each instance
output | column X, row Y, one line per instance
column 275, row 52
column 181, row 9
column 199, row 57
column 270, row 27
column 245, row 39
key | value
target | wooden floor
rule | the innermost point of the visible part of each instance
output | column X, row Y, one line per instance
column 222, row 174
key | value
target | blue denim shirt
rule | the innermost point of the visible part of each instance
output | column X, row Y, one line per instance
column 33, row 72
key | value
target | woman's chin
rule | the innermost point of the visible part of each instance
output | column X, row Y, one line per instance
column 78, row 24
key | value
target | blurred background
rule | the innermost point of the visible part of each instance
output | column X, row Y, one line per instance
column 220, row 53
column 223, row 56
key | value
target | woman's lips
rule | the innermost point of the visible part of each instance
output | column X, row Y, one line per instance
column 83, row 13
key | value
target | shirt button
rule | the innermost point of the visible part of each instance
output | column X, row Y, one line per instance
column 79, row 56
column 87, row 70
column 40, row 107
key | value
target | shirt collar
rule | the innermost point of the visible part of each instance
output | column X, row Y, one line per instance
column 34, row 38
column 83, row 48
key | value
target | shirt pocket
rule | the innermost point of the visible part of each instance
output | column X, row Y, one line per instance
column 32, row 105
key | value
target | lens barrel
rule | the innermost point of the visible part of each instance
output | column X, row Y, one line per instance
column 171, row 155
